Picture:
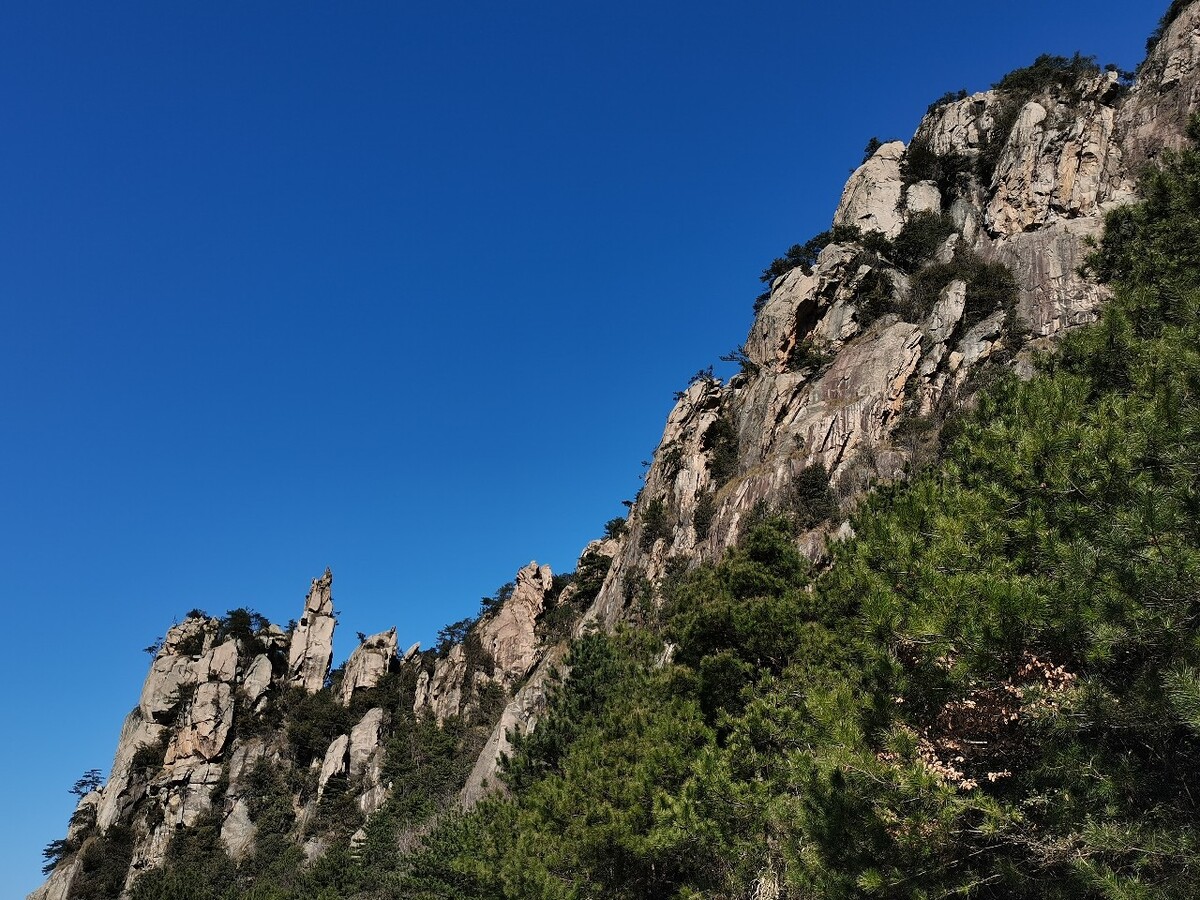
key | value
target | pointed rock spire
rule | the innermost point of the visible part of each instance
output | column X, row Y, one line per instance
column 311, row 649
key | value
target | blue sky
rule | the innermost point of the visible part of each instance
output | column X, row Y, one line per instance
column 401, row 289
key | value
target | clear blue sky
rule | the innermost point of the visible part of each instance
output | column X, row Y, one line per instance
column 399, row 288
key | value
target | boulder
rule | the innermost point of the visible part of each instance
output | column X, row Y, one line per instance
column 370, row 661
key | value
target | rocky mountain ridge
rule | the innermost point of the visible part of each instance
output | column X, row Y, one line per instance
column 849, row 367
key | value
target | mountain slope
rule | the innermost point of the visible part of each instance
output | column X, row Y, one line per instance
column 949, row 259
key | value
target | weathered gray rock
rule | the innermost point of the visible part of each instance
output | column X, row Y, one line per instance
column 365, row 740
column 172, row 670
column 122, row 791
column 370, row 661
column 946, row 312
column 923, row 197
column 1154, row 117
column 206, row 726
column 1053, row 165
column 366, row 756
column 237, row 829
column 335, row 762
column 508, row 633
column 872, row 197
column 442, row 693
column 960, row 126
column 311, row 649
column 257, row 680
column 58, row 885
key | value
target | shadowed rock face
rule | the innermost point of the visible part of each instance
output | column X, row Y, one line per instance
column 1069, row 158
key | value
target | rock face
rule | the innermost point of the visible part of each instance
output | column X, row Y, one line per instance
column 209, row 718
column 508, row 633
column 311, row 650
column 871, row 200
column 178, row 744
column 828, row 381
column 370, row 661
column 502, row 649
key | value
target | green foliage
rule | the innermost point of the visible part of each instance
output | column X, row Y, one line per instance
column 311, row 722
column 746, row 365
column 808, row 354
column 104, row 861
column 875, row 244
column 920, row 238
column 192, row 645
column 428, row 764
column 244, row 625
column 872, row 148
column 614, row 528
column 589, row 576
column 876, row 293
column 561, row 609
column 945, row 100
column 706, row 511
column 805, row 256
column 1153, row 243
column 501, row 596
column 148, row 758
column 656, row 524
column 720, row 442
column 990, row 286
column 1048, row 73
column 54, row 853
column 86, row 783
column 1058, row 75
column 454, row 633
column 811, row 499
column 949, row 171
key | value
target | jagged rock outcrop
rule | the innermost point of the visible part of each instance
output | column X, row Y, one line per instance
column 827, row 384
column 871, row 200
column 501, row 649
column 1154, row 117
column 178, row 744
column 370, row 661
column 206, row 727
column 831, row 374
column 311, row 649
column 508, row 633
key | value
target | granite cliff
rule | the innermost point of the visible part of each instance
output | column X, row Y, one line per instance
column 950, row 258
